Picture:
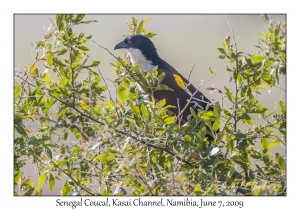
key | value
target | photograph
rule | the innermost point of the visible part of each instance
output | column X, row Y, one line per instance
column 148, row 104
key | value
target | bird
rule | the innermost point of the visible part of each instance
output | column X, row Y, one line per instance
column 142, row 51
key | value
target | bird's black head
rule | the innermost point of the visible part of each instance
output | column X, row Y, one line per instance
column 140, row 42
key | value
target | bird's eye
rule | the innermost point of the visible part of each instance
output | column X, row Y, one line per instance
column 127, row 41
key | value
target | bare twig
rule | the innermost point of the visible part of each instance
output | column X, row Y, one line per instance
column 191, row 72
column 108, row 92
column 73, row 79
column 279, row 87
column 191, row 98
column 221, row 95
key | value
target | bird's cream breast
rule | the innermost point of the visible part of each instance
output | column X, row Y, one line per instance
column 137, row 57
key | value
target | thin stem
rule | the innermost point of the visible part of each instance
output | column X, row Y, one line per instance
column 236, row 91
column 191, row 72
column 69, row 175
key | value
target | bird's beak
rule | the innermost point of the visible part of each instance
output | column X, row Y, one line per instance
column 120, row 45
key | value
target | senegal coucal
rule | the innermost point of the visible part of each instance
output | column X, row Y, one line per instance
column 142, row 51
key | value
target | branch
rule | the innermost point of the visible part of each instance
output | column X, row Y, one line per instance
column 236, row 90
column 22, row 89
column 279, row 87
column 144, row 181
column 119, row 131
column 69, row 175
column 191, row 72
column 191, row 98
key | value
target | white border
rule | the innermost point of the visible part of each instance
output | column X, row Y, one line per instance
column 147, row 6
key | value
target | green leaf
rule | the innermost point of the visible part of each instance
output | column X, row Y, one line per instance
column 197, row 189
column 179, row 81
column 62, row 51
column 79, row 175
column 208, row 115
column 213, row 71
column 154, row 71
column 41, row 181
column 202, row 133
column 146, row 20
column 107, row 169
column 161, row 103
column 100, row 177
column 282, row 70
column 32, row 70
column 61, row 112
column 29, row 192
column 65, row 190
column 144, row 111
column 239, row 135
column 161, row 77
column 20, row 129
column 64, row 81
column 17, row 176
column 222, row 51
column 17, row 93
column 47, row 78
column 51, row 182
column 134, row 21
column 79, row 18
column 140, row 27
column 216, row 124
column 170, row 120
column 260, row 169
column 239, row 161
column 281, row 163
column 230, row 173
column 193, row 112
column 239, row 79
column 122, row 92
column 95, row 63
column 104, row 158
column 217, row 109
column 48, row 152
column 257, row 58
column 262, row 33
column 58, row 62
column 265, row 143
column 84, row 48
column 281, row 104
column 247, row 118
column 135, row 109
column 40, row 43
column 267, row 77
column 106, row 192
column 274, row 143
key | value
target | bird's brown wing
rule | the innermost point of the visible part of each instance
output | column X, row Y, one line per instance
column 178, row 92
